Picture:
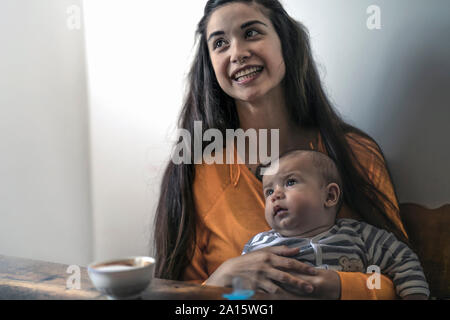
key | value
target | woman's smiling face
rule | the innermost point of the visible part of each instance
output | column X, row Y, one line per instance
column 241, row 36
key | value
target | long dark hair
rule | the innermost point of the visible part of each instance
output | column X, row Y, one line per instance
column 308, row 105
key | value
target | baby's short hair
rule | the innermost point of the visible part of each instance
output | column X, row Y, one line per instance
column 324, row 165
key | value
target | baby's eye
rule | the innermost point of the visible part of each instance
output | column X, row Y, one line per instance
column 269, row 192
column 290, row 182
column 251, row 33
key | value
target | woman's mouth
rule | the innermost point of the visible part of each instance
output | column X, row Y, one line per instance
column 248, row 75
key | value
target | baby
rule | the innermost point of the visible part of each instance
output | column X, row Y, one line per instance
column 302, row 199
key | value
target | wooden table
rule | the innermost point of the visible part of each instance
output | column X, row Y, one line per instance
column 27, row 279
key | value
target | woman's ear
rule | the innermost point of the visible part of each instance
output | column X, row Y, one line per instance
column 333, row 193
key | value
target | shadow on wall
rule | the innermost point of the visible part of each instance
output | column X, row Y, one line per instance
column 414, row 95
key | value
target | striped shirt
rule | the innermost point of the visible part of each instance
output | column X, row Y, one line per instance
column 354, row 246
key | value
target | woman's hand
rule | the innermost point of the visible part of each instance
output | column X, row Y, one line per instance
column 268, row 269
column 326, row 283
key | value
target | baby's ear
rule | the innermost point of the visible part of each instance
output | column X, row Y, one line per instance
column 333, row 192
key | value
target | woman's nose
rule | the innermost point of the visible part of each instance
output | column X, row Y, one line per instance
column 240, row 52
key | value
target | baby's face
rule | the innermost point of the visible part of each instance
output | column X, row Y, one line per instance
column 295, row 197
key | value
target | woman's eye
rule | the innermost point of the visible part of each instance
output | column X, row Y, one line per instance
column 269, row 192
column 291, row 182
column 216, row 44
column 251, row 33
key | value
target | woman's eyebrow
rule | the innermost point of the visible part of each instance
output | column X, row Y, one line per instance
column 243, row 26
column 249, row 23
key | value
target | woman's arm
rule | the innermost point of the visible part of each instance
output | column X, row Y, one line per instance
column 354, row 285
column 372, row 161
column 267, row 269
column 264, row 268
column 195, row 271
column 329, row 284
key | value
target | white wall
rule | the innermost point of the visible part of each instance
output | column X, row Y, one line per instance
column 137, row 55
column 44, row 170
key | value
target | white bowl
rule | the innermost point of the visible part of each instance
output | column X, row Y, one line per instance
column 123, row 278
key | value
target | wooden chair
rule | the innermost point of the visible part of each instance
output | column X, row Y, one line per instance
column 429, row 234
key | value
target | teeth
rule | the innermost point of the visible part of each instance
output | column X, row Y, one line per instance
column 247, row 72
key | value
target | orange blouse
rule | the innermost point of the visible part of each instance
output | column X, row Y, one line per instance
column 230, row 210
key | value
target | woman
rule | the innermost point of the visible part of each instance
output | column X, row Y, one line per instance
column 254, row 69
